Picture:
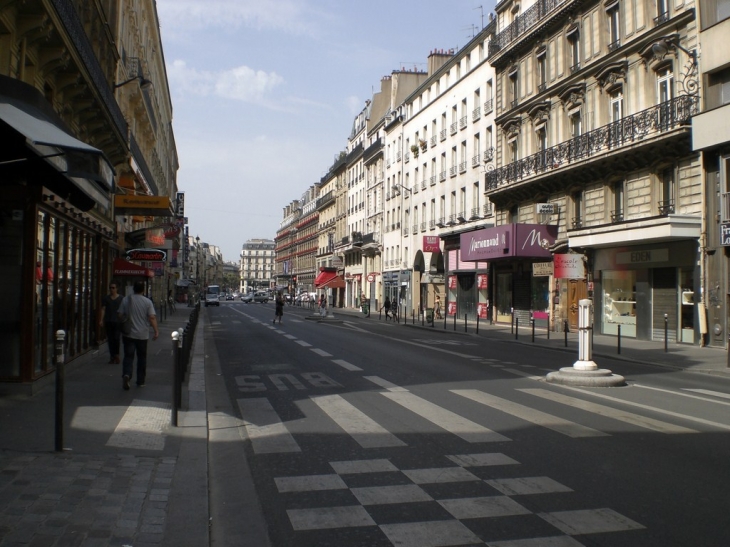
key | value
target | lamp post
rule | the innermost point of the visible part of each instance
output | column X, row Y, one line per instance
column 197, row 261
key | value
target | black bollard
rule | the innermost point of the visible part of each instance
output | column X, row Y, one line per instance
column 465, row 324
column 666, row 333
column 618, row 339
column 512, row 324
column 477, row 323
column 565, row 330
column 454, row 322
column 176, row 343
column 517, row 328
column 60, row 384
column 548, row 327
column 533, row 330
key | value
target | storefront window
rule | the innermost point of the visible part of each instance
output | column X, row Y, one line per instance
column 619, row 302
column 686, row 281
column 541, row 294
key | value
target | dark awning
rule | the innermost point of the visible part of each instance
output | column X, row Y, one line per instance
column 26, row 114
column 329, row 280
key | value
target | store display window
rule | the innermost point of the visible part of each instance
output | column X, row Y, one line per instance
column 619, row 302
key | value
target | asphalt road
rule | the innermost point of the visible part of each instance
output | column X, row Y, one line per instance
column 371, row 433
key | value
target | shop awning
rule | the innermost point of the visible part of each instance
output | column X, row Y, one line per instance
column 154, row 206
column 87, row 176
column 329, row 280
column 185, row 282
column 125, row 268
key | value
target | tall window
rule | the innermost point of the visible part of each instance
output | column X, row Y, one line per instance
column 618, row 201
column 513, row 150
column 662, row 12
column 665, row 93
column 718, row 89
column 713, row 11
column 541, row 138
column 577, row 198
column 574, row 51
column 513, row 89
column 576, row 129
column 616, row 110
column 475, row 200
column 614, row 26
column 666, row 203
column 541, row 71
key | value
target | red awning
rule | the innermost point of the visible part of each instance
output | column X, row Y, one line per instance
column 124, row 267
column 329, row 280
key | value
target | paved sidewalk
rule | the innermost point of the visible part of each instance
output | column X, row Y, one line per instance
column 125, row 476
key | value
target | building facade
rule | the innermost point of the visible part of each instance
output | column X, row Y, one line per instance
column 257, row 265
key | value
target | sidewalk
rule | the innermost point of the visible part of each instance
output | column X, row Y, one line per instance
column 678, row 357
column 125, row 476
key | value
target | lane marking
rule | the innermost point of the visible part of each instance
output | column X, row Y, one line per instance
column 652, row 408
column 609, row 412
column 303, row 343
column 705, row 391
column 321, row 352
column 377, row 380
column 290, row 336
column 470, row 431
column 710, row 392
column 344, row 364
column 363, row 429
column 264, row 428
column 559, row 425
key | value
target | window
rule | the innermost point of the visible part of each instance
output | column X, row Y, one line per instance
column 541, row 138
column 513, row 89
column 666, row 203
column 618, row 201
column 614, row 26
column 616, row 107
column 713, row 11
column 577, row 199
column 718, row 89
column 541, row 71
column 662, row 12
column 665, row 93
column 574, row 51
column 576, row 128
column 513, row 152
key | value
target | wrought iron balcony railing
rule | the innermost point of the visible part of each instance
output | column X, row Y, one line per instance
column 613, row 46
column 453, row 127
column 666, row 207
column 488, row 106
column 432, row 180
column 725, row 206
column 474, row 213
column 663, row 18
column 629, row 130
column 476, row 114
column 575, row 68
column 524, row 23
column 617, row 216
column 463, row 122
column 442, row 135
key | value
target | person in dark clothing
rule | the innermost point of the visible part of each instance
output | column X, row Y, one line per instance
column 140, row 310
column 110, row 321
column 279, row 303
column 386, row 307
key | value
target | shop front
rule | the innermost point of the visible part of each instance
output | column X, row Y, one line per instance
column 511, row 250
column 644, row 288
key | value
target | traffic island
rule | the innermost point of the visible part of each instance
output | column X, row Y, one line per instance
column 584, row 372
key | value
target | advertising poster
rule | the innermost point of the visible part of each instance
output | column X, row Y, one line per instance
column 452, row 282
column 451, row 308
column 569, row 266
column 482, row 281
column 482, row 310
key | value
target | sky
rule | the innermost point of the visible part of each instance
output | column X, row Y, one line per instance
column 265, row 92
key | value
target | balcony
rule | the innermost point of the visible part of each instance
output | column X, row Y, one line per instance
column 629, row 131
column 613, row 46
column 487, row 209
column 526, row 24
column 442, row 134
column 442, row 176
column 356, row 239
column 461, row 216
column 431, row 224
column 575, row 68
column 406, row 157
column 666, row 207
column 397, row 156
column 661, row 19
column 514, row 103
column 432, row 141
column 432, row 180
column 415, row 229
column 476, row 114
column 453, row 171
column 423, row 226
column 488, row 106
column 475, row 161
column 424, row 184
column 441, row 223
column 405, row 230
column 576, row 223
column 474, row 214
column 453, row 128
column 617, row 216
column 463, row 122
column 452, row 219
column 541, row 87
column 462, row 167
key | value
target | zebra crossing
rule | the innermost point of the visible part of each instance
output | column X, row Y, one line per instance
column 460, row 518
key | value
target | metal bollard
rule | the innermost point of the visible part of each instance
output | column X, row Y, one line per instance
column 176, row 382
column 548, row 327
column 512, row 324
column 666, row 333
column 533, row 330
column 517, row 327
column 477, row 323
column 565, row 330
column 465, row 324
column 618, row 339
column 60, row 384
column 454, row 321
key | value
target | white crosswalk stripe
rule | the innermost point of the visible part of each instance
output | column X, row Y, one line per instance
column 537, row 417
column 470, row 431
column 267, row 433
column 363, row 429
column 616, row 414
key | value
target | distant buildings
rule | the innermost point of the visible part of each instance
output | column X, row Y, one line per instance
column 257, row 265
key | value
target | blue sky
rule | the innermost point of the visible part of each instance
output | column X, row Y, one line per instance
column 264, row 93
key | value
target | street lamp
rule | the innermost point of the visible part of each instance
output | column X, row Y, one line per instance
column 144, row 83
column 197, row 260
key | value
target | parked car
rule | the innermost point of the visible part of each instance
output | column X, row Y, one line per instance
column 261, row 297
column 247, row 298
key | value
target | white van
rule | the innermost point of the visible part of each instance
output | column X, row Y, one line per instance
column 212, row 294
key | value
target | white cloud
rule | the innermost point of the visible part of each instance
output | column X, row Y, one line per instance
column 241, row 83
column 291, row 16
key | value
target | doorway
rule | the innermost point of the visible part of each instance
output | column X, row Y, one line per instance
column 577, row 291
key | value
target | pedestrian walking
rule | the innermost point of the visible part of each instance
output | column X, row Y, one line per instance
column 141, row 313
column 323, row 306
column 386, row 307
column 437, row 308
column 279, row 304
column 110, row 321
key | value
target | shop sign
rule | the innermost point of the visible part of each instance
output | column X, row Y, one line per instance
column 642, row 257
column 509, row 240
column 452, row 282
column 180, row 208
column 542, row 269
column 431, row 244
column 482, row 280
column 151, row 255
column 154, row 236
column 569, row 266
column 725, row 234
column 545, row 208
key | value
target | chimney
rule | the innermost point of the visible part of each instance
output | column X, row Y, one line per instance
column 437, row 58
